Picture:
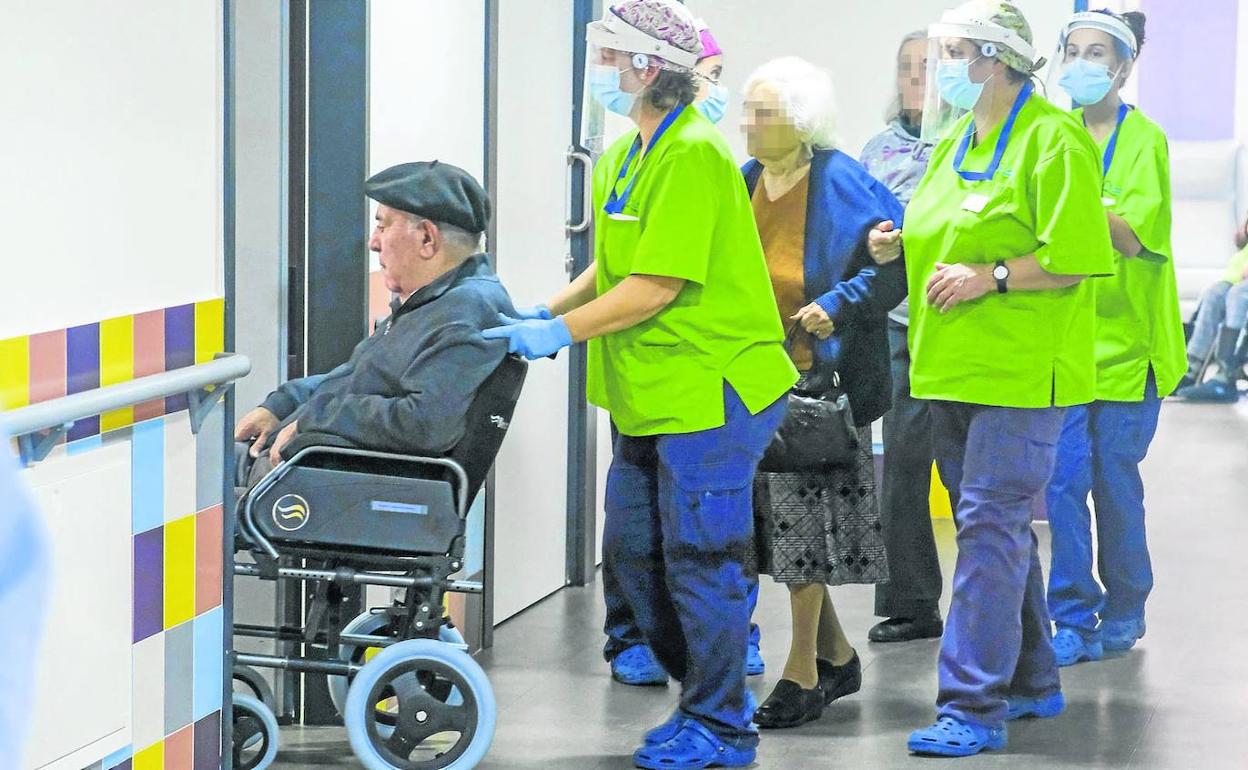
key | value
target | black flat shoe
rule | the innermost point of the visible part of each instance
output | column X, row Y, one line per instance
column 907, row 629
column 839, row 681
column 789, row 706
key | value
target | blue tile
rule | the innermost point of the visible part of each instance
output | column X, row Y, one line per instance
column 85, row 444
column 147, row 477
column 117, row 757
column 209, row 662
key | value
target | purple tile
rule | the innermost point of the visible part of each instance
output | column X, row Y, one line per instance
column 82, row 372
column 179, row 347
column 208, row 742
column 149, row 583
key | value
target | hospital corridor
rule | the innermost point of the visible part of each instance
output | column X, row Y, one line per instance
column 606, row 384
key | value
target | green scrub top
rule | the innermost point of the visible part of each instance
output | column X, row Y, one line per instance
column 1029, row 349
column 689, row 217
column 1138, row 324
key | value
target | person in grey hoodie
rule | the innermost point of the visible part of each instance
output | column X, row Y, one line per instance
column 407, row 387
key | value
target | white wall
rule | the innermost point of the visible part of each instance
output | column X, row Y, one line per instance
column 111, row 153
column 857, row 43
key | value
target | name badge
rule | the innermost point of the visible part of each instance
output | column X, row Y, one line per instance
column 624, row 218
column 975, row 202
column 1107, row 202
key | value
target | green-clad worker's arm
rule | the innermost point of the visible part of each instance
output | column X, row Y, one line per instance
column 635, row 299
column 1126, row 242
column 952, row 285
column 580, row 290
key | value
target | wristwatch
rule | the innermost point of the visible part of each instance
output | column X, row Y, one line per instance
column 1001, row 274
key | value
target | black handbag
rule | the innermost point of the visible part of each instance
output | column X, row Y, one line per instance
column 818, row 431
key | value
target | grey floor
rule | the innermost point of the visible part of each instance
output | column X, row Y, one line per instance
column 1179, row 700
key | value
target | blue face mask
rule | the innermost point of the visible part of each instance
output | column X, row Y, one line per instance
column 1086, row 82
column 953, row 78
column 715, row 103
column 604, row 85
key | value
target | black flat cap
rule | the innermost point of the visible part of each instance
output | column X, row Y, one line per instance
column 433, row 190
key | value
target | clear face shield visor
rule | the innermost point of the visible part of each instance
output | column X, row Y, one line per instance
column 959, row 59
column 616, row 55
column 1094, row 51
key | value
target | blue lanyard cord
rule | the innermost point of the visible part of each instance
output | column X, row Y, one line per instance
column 615, row 203
column 1002, row 141
column 1107, row 159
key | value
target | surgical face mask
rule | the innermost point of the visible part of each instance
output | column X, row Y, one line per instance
column 1086, row 82
column 953, row 78
column 604, row 84
column 715, row 103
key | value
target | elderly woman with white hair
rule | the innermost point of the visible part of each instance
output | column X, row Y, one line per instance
column 814, row 206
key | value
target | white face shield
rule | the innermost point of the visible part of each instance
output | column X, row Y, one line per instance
column 616, row 54
column 960, row 52
column 1087, row 63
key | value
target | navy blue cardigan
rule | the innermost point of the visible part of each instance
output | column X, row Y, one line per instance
column 845, row 202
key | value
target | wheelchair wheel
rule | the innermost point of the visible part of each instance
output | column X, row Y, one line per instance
column 438, row 701
column 255, row 734
column 370, row 624
column 254, row 684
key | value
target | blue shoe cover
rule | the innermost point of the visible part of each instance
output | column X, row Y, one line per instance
column 1121, row 635
column 950, row 737
column 1071, row 648
column 754, row 665
column 664, row 732
column 637, row 666
column 1038, row 708
column 693, row 748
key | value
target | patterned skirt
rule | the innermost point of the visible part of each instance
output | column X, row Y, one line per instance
column 821, row 527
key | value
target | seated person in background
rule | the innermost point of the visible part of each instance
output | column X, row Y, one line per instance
column 407, row 387
column 1217, row 327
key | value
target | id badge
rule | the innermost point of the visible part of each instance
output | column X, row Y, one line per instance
column 975, row 202
column 624, row 217
column 1109, row 202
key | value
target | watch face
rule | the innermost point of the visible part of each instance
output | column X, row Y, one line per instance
column 1000, row 272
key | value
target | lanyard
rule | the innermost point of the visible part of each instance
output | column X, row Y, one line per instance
column 1107, row 159
column 615, row 203
column 1002, row 141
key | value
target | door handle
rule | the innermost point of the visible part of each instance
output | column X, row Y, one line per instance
column 575, row 156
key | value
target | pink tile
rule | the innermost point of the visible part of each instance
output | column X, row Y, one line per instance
column 180, row 749
column 208, row 557
column 149, row 357
column 47, row 366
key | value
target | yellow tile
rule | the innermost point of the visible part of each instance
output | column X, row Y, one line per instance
column 14, row 372
column 939, row 498
column 209, row 329
column 179, row 571
column 151, row 758
column 116, row 365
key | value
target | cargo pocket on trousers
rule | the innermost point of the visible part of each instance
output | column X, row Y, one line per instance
column 714, row 507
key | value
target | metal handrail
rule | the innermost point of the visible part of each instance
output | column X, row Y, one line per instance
column 204, row 384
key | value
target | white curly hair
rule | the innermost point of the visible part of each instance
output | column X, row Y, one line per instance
column 808, row 96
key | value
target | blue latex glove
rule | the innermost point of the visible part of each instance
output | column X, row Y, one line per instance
column 534, row 313
column 533, row 338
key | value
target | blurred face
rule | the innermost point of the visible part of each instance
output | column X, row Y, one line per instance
column 912, row 75
column 982, row 68
column 406, row 248
column 1095, row 46
column 710, row 68
column 769, row 131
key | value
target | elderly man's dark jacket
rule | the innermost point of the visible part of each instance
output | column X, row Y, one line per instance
column 407, row 388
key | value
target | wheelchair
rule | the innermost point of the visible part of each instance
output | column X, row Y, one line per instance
column 336, row 515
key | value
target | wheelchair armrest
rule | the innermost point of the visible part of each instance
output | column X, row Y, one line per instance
column 314, row 439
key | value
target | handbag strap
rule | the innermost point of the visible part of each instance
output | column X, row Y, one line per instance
column 818, row 372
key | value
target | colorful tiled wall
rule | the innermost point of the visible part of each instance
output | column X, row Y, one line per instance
column 176, row 503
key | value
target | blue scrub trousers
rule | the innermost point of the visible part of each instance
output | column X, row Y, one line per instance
column 1100, row 451
column 676, row 536
column 995, row 461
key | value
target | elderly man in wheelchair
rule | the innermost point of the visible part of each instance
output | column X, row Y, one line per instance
column 364, row 476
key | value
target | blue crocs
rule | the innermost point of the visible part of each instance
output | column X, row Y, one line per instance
column 950, row 737
column 692, row 748
column 1035, row 708
column 1121, row 635
column 664, row 732
column 1071, row 648
column 754, row 665
column 638, row 667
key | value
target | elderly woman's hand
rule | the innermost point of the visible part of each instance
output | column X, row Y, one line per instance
column 884, row 242
column 951, row 285
column 815, row 320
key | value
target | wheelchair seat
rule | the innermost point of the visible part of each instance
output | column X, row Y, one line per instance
column 333, row 498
